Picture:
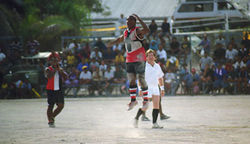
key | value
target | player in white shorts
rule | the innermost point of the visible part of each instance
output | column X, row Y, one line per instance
column 154, row 79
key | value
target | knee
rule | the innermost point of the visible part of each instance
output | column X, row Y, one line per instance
column 60, row 106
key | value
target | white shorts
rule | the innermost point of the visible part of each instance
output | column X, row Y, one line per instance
column 153, row 91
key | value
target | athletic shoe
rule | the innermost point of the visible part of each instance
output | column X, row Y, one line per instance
column 144, row 118
column 145, row 105
column 132, row 104
column 51, row 124
column 156, row 126
column 135, row 123
column 163, row 117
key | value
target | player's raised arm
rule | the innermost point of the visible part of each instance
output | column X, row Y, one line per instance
column 144, row 29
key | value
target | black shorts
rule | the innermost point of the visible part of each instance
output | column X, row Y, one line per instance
column 136, row 67
column 55, row 97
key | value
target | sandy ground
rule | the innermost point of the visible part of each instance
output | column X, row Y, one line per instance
column 194, row 120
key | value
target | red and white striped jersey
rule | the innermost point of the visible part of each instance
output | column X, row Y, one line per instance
column 134, row 48
column 53, row 82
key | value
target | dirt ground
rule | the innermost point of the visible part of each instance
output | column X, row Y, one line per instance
column 100, row 120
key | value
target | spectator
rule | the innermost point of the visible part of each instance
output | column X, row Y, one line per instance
column 232, row 42
column 207, row 78
column 122, row 20
column 219, row 53
column 71, row 59
column 103, row 67
column 172, row 63
column 161, row 54
column 73, row 80
column 120, row 60
column 220, row 77
column 97, row 82
column 205, row 60
column 220, row 40
column 85, row 78
column 232, row 78
column 243, row 80
column 170, row 83
column 120, row 78
column 96, row 54
column 109, row 56
column 86, row 50
column 245, row 41
column 81, row 64
column 165, row 29
column 2, row 57
column 108, row 78
column 153, row 45
column 186, row 49
column 192, row 82
column 93, row 64
column 116, row 48
column 145, row 44
column 242, row 51
column 99, row 44
column 231, row 53
column 205, row 44
column 174, row 46
column 152, row 27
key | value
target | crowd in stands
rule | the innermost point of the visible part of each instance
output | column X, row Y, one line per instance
column 224, row 66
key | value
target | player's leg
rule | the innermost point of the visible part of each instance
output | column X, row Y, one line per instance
column 59, row 102
column 162, row 115
column 51, row 103
column 132, row 90
column 155, row 112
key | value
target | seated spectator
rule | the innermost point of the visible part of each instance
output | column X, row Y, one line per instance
column 85, row 78
column 232, row 78
column 161, row 54
column 71, row 59
column 192, row 82
column 174, row 46
column 145, row 44
column 239, row 63
column 100, row 44
column 172, row 63
column 243, row 80
column 220, row 40
column 109, row 56
column 231, row 53
column 220, row 75
column 93, row 64
column 81, row 64
column 205, row 60
column 242, row 51
column 207, row 79
column 219, row 53
column 170, row 83
column 120, row 78
column 85, row 52
column 108, row 78
column 103, row 67
column 117, row 48
column 97, row 82
column 153, row 45
column 96, row 54
column 73, row 80
column 119, row 59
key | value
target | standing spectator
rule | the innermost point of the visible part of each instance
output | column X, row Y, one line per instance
column 243, row 80
column 81, row 64
column 232, row 78
column 96, row 54
column 165, row 29
column 232, row 42
column 231, row 53
column 186, row 49
column 97, row 82
column 205, row 60
column 152, row 27
column 219, row 53
column 172, row 63
column 86, row 50
column 99, row 44
column 174, row 46
column 207, row 78
column 162, row 54
column 170, row 82
column 205, row 44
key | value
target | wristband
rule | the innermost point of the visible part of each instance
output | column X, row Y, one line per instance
column 162, row 87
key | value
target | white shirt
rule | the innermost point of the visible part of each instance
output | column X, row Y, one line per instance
column 152, row 74
column 84, row 75
column 231, row 54
column 109, row 75
column 162, row 54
